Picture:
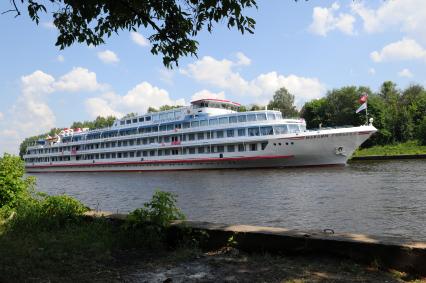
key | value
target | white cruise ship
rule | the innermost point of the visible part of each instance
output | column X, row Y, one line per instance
column 208, row 134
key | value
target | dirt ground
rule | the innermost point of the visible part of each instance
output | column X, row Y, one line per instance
column 230, row 265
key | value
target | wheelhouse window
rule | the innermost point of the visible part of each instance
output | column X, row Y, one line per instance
column 186, row 125
column 213, row 121
column 195, row 124
column 266, row 131
column 293, row 128
column 141, row 119
column 242, row 118
column 280, row 129
column 253, row 132
column 271, row 116
column 128, row 121
column 135, row 120
column 148, row 118
column 204, row 123
column 251, row 117
column 261, row 117
column 233, row 119
column 223, row 120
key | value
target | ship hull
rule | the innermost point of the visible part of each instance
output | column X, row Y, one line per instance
column 319, row 148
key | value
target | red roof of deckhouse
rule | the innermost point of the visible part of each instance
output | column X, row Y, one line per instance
column 216, row 100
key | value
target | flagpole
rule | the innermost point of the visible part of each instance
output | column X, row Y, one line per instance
column 366, row 112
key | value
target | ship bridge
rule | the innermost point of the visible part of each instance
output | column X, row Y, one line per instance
column 212, row 106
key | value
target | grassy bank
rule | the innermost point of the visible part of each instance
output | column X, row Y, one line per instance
column 410, row 147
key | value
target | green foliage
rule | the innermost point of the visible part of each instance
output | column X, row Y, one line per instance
column 421, row 131
column 410, row 147
column 98, row 123
column 163, row 108
column 174, row 24
column 284, row 101
column 13, row 186
column 160, row 211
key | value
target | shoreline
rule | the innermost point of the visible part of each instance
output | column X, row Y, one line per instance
column 388, row 157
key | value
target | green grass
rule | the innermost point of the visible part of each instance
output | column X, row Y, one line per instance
column 410, row 147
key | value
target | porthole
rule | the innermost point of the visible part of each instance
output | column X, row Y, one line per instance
column 279, row 144
column 292, row 142
column 275, row 144
column 286, row 143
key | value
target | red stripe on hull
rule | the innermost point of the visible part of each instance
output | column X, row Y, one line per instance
column 191, row 169
column 163, row 161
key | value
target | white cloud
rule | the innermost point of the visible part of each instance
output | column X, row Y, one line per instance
column 31, row 115
column 137, row 99
column 48, row 25
column 408, row 16
column 405, row 49
column 202, row 94
column 405, row 73
column 108, row 57
column 139, row 39
column 1, row 116
column 372, row 71
column 60, row 58
column 221, row 74
column 243, row 60
column 324, row 20
column 78, row 79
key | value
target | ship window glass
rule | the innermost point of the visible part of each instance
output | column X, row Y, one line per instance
column 264, row 144
column 170, row 127
column 220, row 148
column 135, row 120
column 125, row 154
column 231, row 148
column 223, row 120
column 271, row 116
column 251, row 117
column 281, row 129
column 144, row 141
column 233, row 119
column 253, row 146
column 292, row 128
column 119, row 155
column 242, row 118
column 241, row 132
column 200, row 136
column 213, row 121
column 141, row 119
column 230, row 133
column 151, row 140
column 302, row 128
column 201, row 150
column 119, row 143
column 171, row 115
column 121, row 122
column 166, row 139
column 192, row 150
column 191, row 137
column 147, row 130
column 186, row 125
column 219, row 134
column 141, row 130
column 175, row 151
column 253, row 131
column 132, row 154
column 279, row 116
column 128, row 121
column 160, row 152
column 154, row 129
column 265, row 131
column 163, row 116
column 138, row 154
column 204, row 123
column 124, row 143
column 208, row 135
column 184, row 151
column 183, row 137
column 195, row 123
column 152, row 153
column 145, row 153
column 163, row 128
column 131, row 142
column 167, row 152
column 148, row 118
column 261, row 117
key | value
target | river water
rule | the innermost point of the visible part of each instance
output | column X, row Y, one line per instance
column 385, row 198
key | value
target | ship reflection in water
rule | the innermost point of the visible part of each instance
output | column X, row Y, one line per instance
column 379, row 198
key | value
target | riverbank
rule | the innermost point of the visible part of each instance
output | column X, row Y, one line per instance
column 407, row 148
column 96, row 251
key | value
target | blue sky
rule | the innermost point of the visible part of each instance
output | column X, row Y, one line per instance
column 308, row 47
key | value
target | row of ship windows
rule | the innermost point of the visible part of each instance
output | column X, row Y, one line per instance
column 205, row 122
column 158, row 152
column 280, row 129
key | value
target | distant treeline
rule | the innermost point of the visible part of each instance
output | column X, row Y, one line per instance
column 399, row 115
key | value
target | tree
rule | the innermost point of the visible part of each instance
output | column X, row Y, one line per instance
column 421, row 132
column 174, row 24
column 283, row 101
column 315, row 113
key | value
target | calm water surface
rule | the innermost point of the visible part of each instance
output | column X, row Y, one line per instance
column 378, row 198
